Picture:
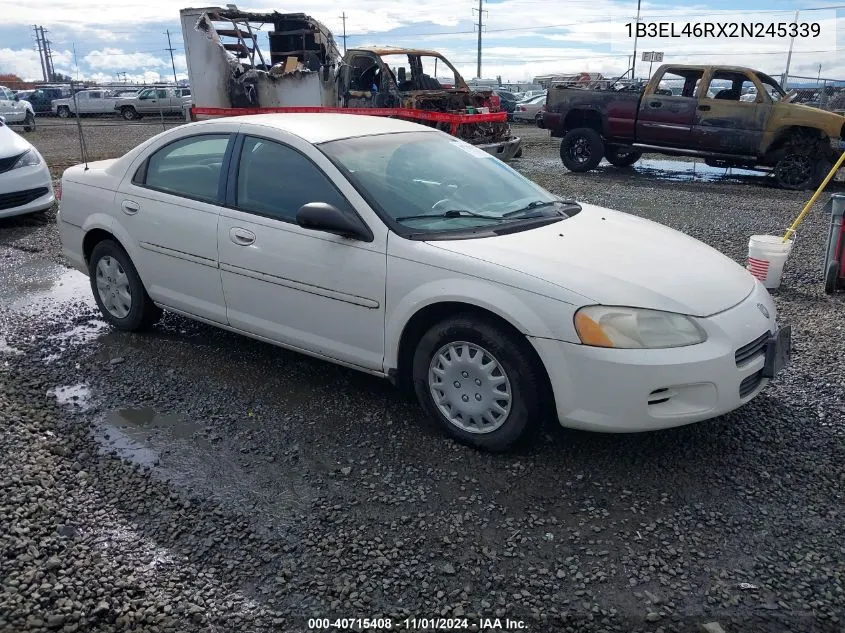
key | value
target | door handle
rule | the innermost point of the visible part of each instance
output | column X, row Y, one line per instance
column 655, row 104
column 129, row 207
column 704, row 107
column 241, row 237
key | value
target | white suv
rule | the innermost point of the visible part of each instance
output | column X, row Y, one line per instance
column 16, row 111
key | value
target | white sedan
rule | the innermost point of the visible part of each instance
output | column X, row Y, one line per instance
column 25, row 182
column 401, row 251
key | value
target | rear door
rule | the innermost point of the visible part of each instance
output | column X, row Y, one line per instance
column 726, row 124
column 169, row 205
column 666, row 118
column 94, row 102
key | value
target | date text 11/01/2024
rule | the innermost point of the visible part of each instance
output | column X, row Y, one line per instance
column 724, row 29
column 417, row 624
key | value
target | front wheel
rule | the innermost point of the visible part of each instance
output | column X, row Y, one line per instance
column 622, row 156
column 118, row 290
column 64, row 112
column 800, row 171
column 581, row 149
column 129, row 113
column 29, row 122
column 478, row 381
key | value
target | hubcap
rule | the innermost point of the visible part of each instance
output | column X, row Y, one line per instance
column 470, row 387
column 580, row 151
column 113, row 287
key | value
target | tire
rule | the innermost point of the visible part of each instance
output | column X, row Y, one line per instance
column 517, row 373
column 621, row 157
column 540, row 123
column 581, row 149
column 29, row 122
column 64, row 112
column 142, row 313
column 129, row 113
column 831, row 279
column 800, row 172
column 518, row 153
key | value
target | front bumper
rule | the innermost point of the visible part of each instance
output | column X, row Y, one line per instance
column 26, row 190
column 504, row 150
column 621, row 391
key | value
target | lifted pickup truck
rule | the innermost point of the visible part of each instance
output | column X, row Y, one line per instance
column 158, row 100
column 703, row 116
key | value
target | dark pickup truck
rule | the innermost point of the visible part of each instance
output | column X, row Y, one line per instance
column 729, row 115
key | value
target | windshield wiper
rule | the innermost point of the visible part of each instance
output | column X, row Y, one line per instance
column 451, row 213
column 539, row 204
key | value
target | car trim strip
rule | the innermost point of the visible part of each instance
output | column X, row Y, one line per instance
column 163, row 250
column 371, row 304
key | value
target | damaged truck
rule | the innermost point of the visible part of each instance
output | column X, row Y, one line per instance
column 298, row 68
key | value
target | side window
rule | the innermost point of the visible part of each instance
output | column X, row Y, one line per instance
column 679, row 82
column 95, row 95
column 190, row 167
column 162, row 94
column 275, row 180
column 145, row 94
column 364, row 70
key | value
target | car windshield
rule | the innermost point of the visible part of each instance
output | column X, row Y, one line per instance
column 425, row 183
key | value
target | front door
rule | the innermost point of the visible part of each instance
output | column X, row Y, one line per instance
column 307, row 289
column 732, row 115
column 170, row 207
column 668, row 107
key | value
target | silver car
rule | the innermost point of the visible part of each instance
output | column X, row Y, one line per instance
column 526, row 111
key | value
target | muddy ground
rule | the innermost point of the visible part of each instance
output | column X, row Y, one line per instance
column 192, row 480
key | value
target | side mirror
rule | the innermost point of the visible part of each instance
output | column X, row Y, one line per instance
column 321, row 216
column 2, row 119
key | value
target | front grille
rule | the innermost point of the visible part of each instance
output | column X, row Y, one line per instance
column 750, row 383
column 6, row 163
column 749, row 352
column 20, row 198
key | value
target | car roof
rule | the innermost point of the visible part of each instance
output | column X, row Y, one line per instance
column 321, row 127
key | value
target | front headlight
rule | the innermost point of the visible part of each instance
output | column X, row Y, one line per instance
column 29, row 158
column 635, row 328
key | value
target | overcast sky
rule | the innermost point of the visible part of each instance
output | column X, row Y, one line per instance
column 523, row 38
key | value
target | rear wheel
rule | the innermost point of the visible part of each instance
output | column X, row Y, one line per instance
column 581, row 149
column 621, row 156
column 478, row 381
column 29, row 122
column 118, row 289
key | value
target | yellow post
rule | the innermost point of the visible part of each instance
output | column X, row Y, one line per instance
column 815, row 197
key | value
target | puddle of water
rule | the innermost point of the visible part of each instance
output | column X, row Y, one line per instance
column 689, row 170
column 45, row 289
column 77, row 396
column 5, row 348
column 78, row 335
column 126, row 444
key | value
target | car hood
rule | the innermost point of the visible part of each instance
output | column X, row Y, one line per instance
column 615, row 258
column 12, row 143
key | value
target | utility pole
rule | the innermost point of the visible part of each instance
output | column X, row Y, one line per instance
column 48, row 55
column 789, row 56
column 480, row 25
column 343, row 17
column 40, row 52
column 636, row 35
column 172, row 63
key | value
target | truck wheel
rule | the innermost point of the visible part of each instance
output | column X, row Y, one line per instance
column 29, row 122
column 129, row 113
column 540, row 122
column 581, row 149
column 64, row 112
column 800, row 171
column 621, row 156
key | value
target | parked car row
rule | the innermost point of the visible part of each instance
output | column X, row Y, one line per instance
column 132, row 105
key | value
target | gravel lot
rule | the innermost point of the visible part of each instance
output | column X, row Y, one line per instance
column 193, row 480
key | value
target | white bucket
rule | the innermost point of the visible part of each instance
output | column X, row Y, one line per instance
column 766, row 256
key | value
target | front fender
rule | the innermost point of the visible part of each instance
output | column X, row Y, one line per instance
column 518, row 307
